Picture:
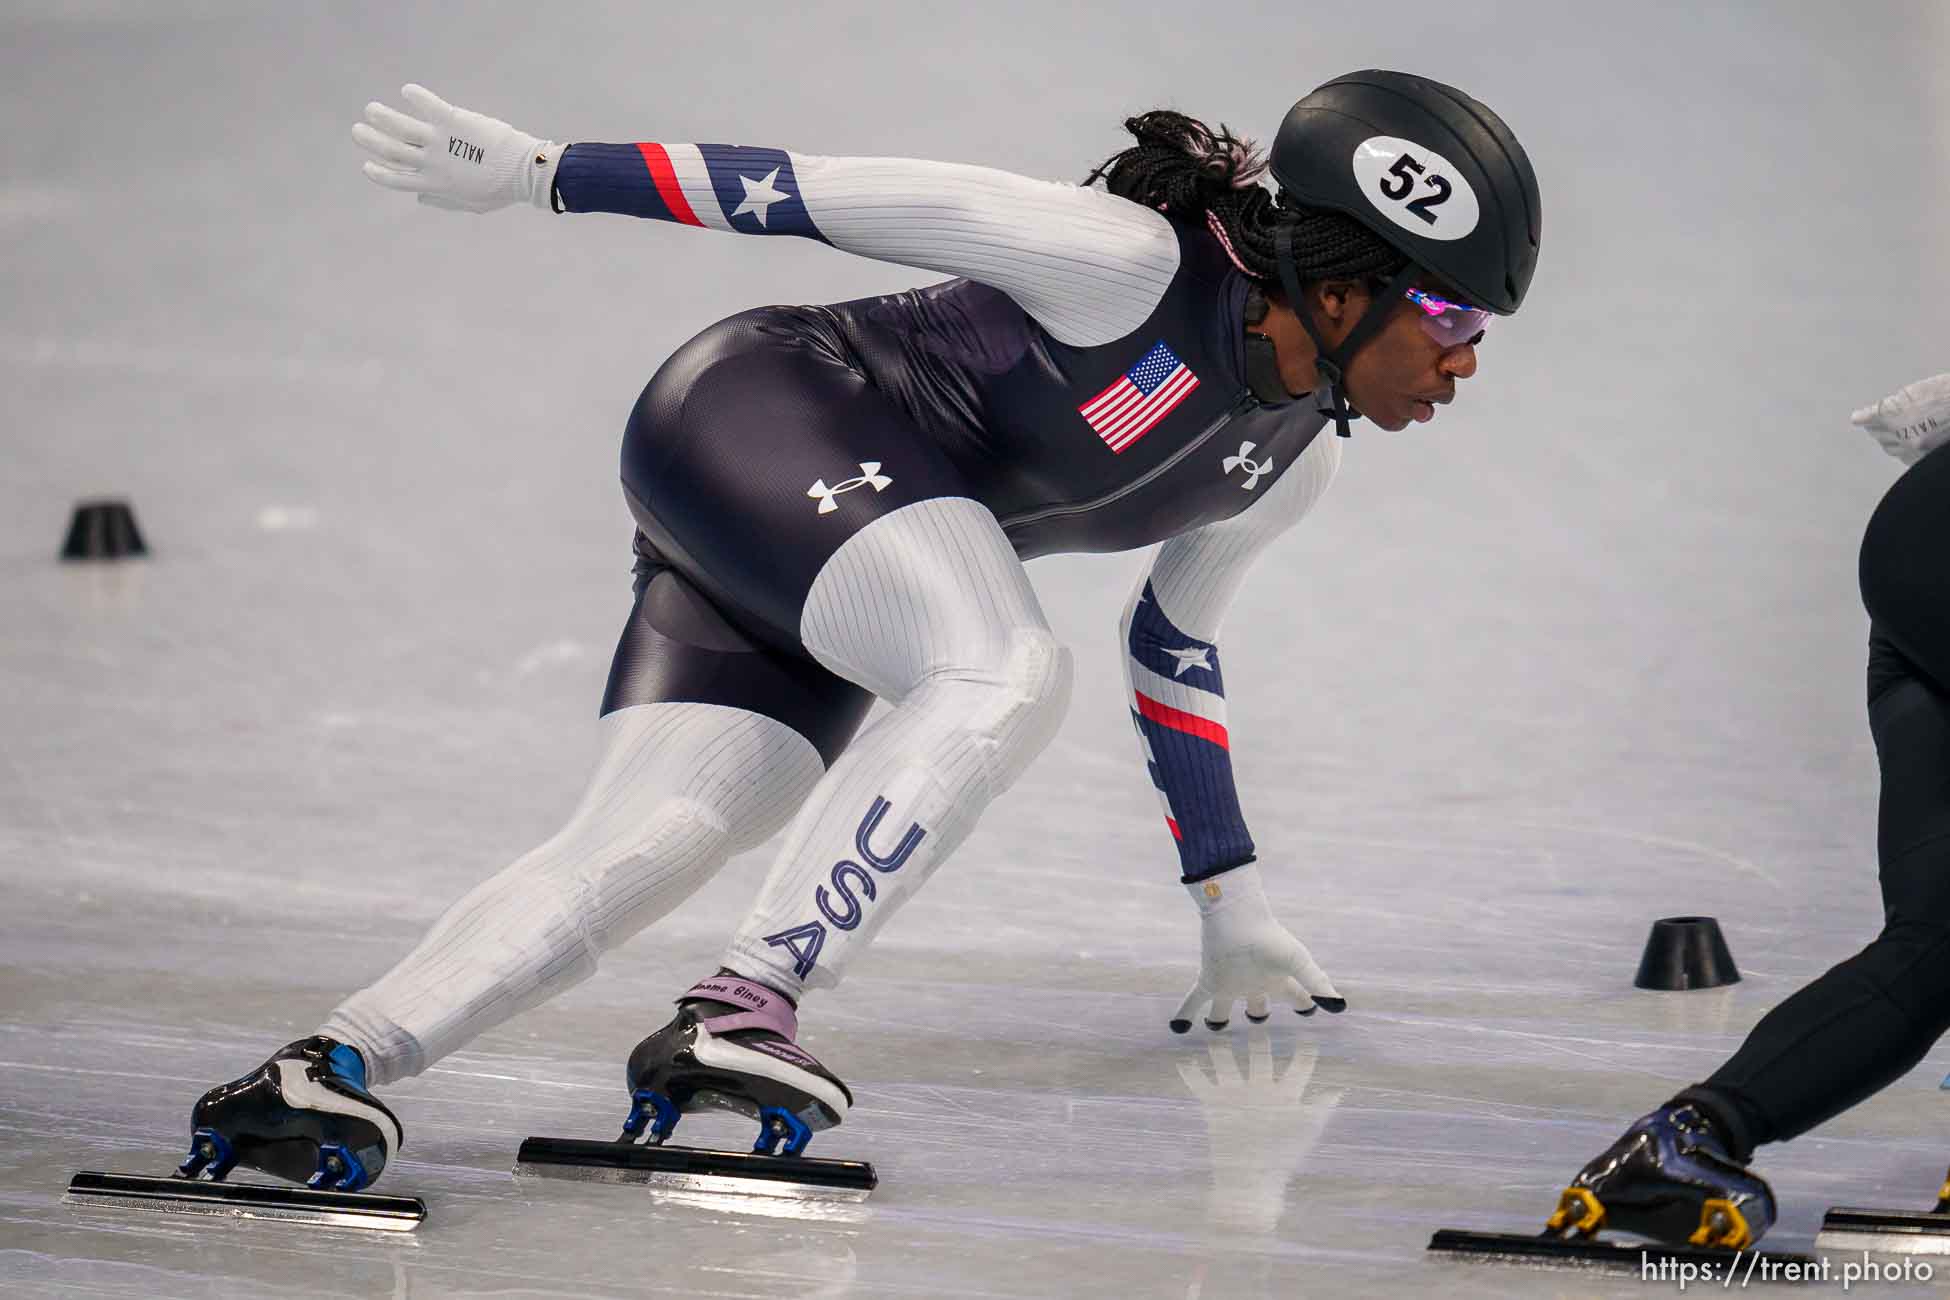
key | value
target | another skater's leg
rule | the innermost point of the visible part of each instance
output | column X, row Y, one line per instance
column 1869, row 1020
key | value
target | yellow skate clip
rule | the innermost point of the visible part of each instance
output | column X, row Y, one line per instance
column 1943, row 1196
column 1578, row 1212
column 1721, row 1224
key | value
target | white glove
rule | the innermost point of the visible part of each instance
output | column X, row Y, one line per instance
column 1244, row 952
column 453, row 158
column 1911, row 422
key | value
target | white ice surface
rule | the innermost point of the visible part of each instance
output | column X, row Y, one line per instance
column 1583, row 653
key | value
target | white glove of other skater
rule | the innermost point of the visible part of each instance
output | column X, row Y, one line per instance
column 453, row 158
column 1911, row 422
column 1244, row 952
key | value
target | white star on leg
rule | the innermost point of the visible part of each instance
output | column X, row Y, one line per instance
column 759, row 196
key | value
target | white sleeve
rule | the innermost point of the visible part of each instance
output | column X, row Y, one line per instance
column 1174, row 682
column 1087, row 265
column 1195, row 575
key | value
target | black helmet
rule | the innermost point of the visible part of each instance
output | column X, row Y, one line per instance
column 1432, row 172
column 1428, row 169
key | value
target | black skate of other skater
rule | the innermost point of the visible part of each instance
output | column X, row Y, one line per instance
column 1670, row 1178
column 304, row 1115
column 730, row 1047
column 1889, row 1231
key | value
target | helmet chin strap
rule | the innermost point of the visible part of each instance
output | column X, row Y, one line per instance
column 1333, row 364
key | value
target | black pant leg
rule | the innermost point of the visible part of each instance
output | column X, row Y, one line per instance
column 1869, row 1020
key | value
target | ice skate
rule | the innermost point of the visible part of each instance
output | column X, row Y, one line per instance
column 731, row 1048
column 1669, row 1178
column 305, row 1116
column 1889, row 1231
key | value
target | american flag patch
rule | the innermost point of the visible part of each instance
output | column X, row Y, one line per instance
column 1142, row 396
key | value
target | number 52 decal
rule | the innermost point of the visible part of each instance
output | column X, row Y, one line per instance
column 1415, row 188
column 1439, row 187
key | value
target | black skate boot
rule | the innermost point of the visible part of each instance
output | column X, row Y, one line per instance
column 1670, row 1178
column 731, row 1048
column 304, row 1115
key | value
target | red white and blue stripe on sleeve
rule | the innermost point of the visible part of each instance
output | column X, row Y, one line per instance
column 1178, row 705
column 1087, row 266
column 751, row 191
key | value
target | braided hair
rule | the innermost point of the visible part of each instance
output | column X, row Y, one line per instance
column 1184, row 168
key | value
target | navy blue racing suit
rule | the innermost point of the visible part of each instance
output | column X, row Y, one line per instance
column 1084, row 380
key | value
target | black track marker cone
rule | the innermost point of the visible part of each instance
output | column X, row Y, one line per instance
column 1686, row 952
column 102, row 530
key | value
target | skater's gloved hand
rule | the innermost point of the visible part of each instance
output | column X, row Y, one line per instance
column 1244, row 952
column 1911, row 422
column 453, row 158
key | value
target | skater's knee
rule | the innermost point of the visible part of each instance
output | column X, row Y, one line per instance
column 1027, row 668
column 615, row 893
column 1036, row 671
column 1046, row 673
column 602, row 870
column 697, row 764
column 1009, row 707
column 1908, row 966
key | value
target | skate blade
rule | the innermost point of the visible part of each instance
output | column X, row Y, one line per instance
column 1885, row 1232
column 691, row 1169
column 1554, row 1252
column 94, row 1190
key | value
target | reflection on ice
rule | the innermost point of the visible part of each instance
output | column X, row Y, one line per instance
column 1260, row 1122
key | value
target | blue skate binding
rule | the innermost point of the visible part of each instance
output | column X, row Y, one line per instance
column 730, row 1048
column 304, row 1116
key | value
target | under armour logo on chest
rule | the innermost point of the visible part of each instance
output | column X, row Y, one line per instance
column 870, row 476
column 1244, row 460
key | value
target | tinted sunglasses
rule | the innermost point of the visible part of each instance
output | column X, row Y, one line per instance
column 1449, row 323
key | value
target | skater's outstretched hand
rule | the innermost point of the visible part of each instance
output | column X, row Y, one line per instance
column 1911, row 422
column 1244, row 952
column 453, row 158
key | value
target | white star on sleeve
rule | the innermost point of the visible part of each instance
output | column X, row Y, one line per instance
column 1189, row 658
column 759, row 196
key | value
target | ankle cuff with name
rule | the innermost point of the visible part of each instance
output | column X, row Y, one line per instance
column 758, row 1007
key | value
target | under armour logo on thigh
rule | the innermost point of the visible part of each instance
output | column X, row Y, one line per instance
column 1253, row 468
column 870, row 476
